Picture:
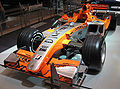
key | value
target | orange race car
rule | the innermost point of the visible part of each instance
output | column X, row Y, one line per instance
column 74, row 46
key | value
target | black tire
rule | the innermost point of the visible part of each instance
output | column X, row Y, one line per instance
column 113, row 23
column 94, row 53
column 29, row 39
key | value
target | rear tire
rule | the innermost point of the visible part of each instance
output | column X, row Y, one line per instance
column 29, row 39
column 94, row 53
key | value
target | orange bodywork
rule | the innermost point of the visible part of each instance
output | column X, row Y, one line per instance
column 25, row 56
column 87, row 15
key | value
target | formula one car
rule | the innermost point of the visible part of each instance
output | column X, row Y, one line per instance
column 74, row 46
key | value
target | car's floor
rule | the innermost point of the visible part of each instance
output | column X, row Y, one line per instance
column 108, row 78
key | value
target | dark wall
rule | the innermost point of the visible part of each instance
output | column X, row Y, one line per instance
column 7, row 4
column 15, row 2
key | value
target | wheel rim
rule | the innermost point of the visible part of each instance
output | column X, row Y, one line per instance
column 35, row 43
column 103, row 52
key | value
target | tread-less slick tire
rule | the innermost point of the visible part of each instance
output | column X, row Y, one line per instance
column 94, row 53
column 29, row 39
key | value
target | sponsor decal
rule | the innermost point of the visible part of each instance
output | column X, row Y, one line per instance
column 38, row 57
column 43, row 48
column 49, row 41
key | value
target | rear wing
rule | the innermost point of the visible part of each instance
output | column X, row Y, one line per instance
column 106, row 5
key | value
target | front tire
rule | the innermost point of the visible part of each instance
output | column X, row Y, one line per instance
column 94, row 53
column 29, row 39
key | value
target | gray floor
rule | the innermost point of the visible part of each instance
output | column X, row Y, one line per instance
column 108, row 78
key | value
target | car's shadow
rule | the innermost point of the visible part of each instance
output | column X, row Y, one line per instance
column 27, row 80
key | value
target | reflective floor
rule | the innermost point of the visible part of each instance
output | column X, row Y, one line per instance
column 108, row 78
